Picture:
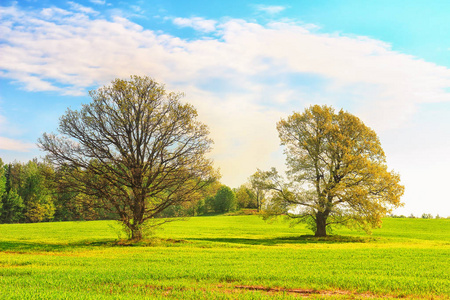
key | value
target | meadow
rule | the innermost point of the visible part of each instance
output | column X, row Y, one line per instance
column 225, row 257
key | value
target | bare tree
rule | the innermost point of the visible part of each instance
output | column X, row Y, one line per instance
column 135, row 148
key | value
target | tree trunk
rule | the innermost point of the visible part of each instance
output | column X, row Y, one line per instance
column 136, row 233
column 138, row 214
column 135, row 228
column 321, row 224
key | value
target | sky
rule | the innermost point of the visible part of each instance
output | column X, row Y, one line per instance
column 244, row 65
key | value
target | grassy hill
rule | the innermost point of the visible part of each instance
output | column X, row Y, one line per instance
column 225, row 257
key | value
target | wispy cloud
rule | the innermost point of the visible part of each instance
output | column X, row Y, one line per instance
column 137, row 9
column 81, row 8
column 15, row 145
column 197, row 23
column 270, row 9
column 100, row 2
column 242, row 82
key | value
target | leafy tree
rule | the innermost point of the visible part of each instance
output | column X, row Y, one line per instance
column 201, row 207
column 245, row 197
column 135, row 148
column 210, row 206
column 36, row 191
column 337, row 172
column 206, row 204
column 427, row 216
column 11, row 205
column 224, row 200
column 193, row 208
column 258, row 183
column 12, row 210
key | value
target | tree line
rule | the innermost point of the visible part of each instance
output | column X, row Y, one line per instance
column 32, row 192
column 35, row 191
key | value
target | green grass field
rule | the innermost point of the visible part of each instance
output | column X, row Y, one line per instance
column 225, row 257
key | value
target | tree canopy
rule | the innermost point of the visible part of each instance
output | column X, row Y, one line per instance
column 337, row 172
column 224, row 200
column 136, row 149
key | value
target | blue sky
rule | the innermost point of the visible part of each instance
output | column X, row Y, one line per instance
column 243, row 65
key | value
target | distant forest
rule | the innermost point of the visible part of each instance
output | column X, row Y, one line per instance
column 35, row 192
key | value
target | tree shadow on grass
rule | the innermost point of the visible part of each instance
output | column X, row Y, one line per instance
column 303, row 239
column 29, row 247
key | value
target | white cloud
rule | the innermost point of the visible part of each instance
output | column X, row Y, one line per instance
column 270, row 9
column 197, row 23
column 15, row 145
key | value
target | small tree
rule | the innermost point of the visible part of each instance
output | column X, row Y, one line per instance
column 245, row 197
column 427, row 216
column 336, row 169
column 135, row 148
column 258, row 183
column 224, row 200
column 206, row 203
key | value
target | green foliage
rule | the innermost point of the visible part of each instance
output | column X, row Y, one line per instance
column 35, row 190
column 32, row 192
column 12, row 208
column 2, row 183
column 201, row 207
column 210, row 204
column 245, row 197
column 427, row 216
column 76, row 206
column 224, row 200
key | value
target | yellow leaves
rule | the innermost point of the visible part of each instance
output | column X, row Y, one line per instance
column 342, row 161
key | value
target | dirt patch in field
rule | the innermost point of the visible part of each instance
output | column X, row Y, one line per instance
column 339, row 294
column 231, row 289
column 306, row 292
